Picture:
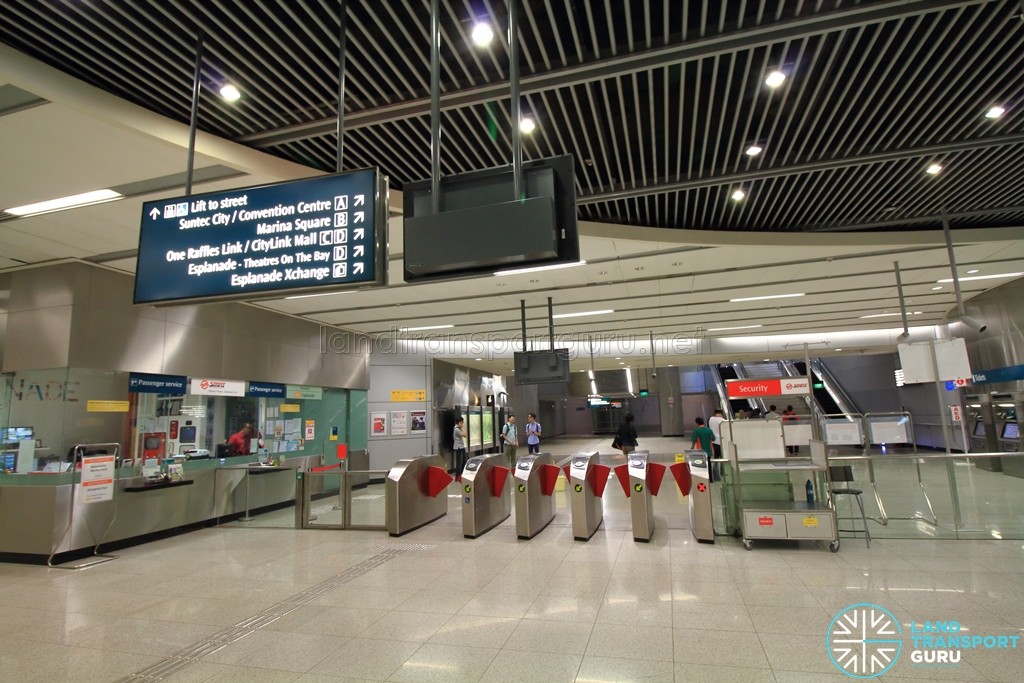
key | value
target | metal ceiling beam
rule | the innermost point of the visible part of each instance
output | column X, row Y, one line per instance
column 794, row 169
column 623, row 64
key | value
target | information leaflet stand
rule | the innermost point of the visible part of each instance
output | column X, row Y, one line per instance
column 98, row 484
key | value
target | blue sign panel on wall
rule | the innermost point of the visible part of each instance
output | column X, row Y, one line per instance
column 144, row 383
column 321, row 233
column 265, row 390
column 1011, row 373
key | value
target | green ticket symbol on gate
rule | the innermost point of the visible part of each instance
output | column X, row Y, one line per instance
column 638, row 488
column 522, row 488
column 469, row 488
column 579, row 487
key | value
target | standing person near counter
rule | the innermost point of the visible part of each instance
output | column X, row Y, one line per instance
column 238, row 443
column 789, row 415
column 510, row 440
column 715, row 425
column 532, row 433
column 459, row 445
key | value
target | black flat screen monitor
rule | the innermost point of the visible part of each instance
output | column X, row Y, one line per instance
column 15, row 434
column 979, row 428
column 1011, row 432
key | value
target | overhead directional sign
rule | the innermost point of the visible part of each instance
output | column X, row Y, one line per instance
column 250, row 243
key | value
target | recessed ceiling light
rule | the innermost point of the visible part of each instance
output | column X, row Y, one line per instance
column 769, row 296
column 972, row 271
column 677, row 263
column 933, row 169
column 886, row 315
column 738, row 327
column 71, row 202
column 838, row 349
column 738, row 195
column 527, row 125
column 638, row 268
column 534, row 281
column 425, row 327
column 775, row 79
column 602, row 272
column 995, row 112
column 537, row 269
column 482, row 359
column 983, row 277
column 583, row 313
column 754, row 150
column 671, row 365
column 618, row 357
column 623, row 363
column 936, row 288
column 230, row 92
column 310, row 296
column 482, row 34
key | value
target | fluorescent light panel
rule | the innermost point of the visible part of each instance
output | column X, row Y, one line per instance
column 583, row 313
column 770, row 296
column 886, row 315
column 62, row 203
column 983, row 277
column 738, row 327
column 425, row 327
column 537, row 269
column 310, row 296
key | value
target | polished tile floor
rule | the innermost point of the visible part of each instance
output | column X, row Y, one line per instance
column 269, row 604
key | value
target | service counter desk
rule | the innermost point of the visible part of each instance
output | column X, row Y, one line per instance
column 44, row 513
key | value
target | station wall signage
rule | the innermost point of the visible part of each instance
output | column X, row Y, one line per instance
column 754, row 388
column 327, row 232
column 265, row 390
column 144, row 383
column 216, row 387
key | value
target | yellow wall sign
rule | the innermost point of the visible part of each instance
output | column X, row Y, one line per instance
column 290, row 407
column 810, row 522
column 403, row 395
column 94, row 406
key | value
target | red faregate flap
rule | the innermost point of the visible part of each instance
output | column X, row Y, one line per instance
column 681, row 471
column 548, row 478
column 597, row 477
column 435, row 480
column 567, row 477
column 655, row 473
column 498, row 476
column 622, row 472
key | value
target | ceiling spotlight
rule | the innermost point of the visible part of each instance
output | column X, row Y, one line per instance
column 754, row 150
column 738, row 195
column 482, row 35
column 973, row 324
column 775, row 79
column 933, row 169
column 995, row 112
column 972, row 271
column 936, row 288
column 527, row 126
column 230, row 92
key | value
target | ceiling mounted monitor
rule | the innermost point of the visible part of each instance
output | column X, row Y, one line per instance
column 481, row 228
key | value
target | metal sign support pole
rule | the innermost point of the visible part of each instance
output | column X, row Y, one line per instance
column 197, row 86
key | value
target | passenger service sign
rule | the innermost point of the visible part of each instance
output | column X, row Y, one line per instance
column 327, row 232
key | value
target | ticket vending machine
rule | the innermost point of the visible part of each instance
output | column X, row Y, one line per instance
column 154, row 446
column 984, row 431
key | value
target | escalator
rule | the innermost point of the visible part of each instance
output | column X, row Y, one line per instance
column 733, row 371
column 828, row 393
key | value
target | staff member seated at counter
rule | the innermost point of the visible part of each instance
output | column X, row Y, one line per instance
column 238, row 443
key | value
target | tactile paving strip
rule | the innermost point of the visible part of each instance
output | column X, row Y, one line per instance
column 193, row 653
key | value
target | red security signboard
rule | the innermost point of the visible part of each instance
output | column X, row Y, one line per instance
column 758, row 388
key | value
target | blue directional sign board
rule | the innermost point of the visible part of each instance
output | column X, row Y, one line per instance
column 252, row 243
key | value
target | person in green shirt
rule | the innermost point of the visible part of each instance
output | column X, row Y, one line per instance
column 703, row 437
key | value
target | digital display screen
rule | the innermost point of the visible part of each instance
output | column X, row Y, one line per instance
column 12, row 434
column 476, row 428
column 488, row 428
column 1010, row 431
column 979, row 428
column 320, row 232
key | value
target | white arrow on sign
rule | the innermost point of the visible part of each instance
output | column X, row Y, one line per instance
column 358, row 234
column 360, row 217
column 359, row 250
column 155, row 213
column 357, row 268
column 360, row 200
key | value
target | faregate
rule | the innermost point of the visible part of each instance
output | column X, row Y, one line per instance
column 534, row 483
column 486, row 501
column 701, row 523
column 411, row 491
column 587, row 479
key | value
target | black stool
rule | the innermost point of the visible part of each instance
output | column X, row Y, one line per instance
column 843, row 474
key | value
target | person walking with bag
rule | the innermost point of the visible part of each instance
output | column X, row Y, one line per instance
column 510, row 440
column 625, row 438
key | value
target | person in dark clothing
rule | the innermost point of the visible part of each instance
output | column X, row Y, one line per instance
column 626, row 436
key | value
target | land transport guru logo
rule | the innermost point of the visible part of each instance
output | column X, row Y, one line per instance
column 864, row 640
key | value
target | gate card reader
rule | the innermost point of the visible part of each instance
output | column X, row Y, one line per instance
column 486, row 499
column 534, row 483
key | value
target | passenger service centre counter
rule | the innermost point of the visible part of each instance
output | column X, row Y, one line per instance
column 163, row 441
